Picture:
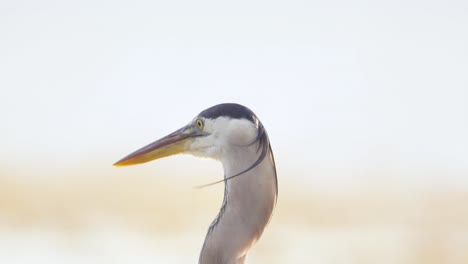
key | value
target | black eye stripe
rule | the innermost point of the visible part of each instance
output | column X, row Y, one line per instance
column 228, row 110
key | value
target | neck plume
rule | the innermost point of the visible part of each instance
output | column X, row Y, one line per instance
column 248, row 204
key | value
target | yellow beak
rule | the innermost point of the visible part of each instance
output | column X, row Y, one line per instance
column 171, row 144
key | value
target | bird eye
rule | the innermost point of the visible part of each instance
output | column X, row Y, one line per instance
column 199, row 123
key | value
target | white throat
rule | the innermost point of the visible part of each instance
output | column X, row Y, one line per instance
column 248, row 204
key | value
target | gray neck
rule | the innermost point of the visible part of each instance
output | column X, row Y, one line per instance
column 248, row 203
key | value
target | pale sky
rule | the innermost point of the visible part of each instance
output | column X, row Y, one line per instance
column 339, row 85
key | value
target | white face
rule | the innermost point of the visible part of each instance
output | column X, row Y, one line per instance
column 223, row 133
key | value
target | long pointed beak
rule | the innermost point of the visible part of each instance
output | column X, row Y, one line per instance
column 174, row 143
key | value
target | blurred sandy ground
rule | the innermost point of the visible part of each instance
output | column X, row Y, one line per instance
column 147, row 219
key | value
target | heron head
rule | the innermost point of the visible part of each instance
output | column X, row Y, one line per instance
column 210, row 134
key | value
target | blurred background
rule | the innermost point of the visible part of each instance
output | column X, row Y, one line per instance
column 365, row 104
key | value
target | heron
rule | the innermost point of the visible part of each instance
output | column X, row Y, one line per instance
column 230, row 133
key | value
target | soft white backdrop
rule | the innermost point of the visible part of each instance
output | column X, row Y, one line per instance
column 360, row 85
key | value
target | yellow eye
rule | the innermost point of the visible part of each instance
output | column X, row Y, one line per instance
column 199, row 123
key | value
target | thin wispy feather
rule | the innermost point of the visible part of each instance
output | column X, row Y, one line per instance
column 263, row 145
